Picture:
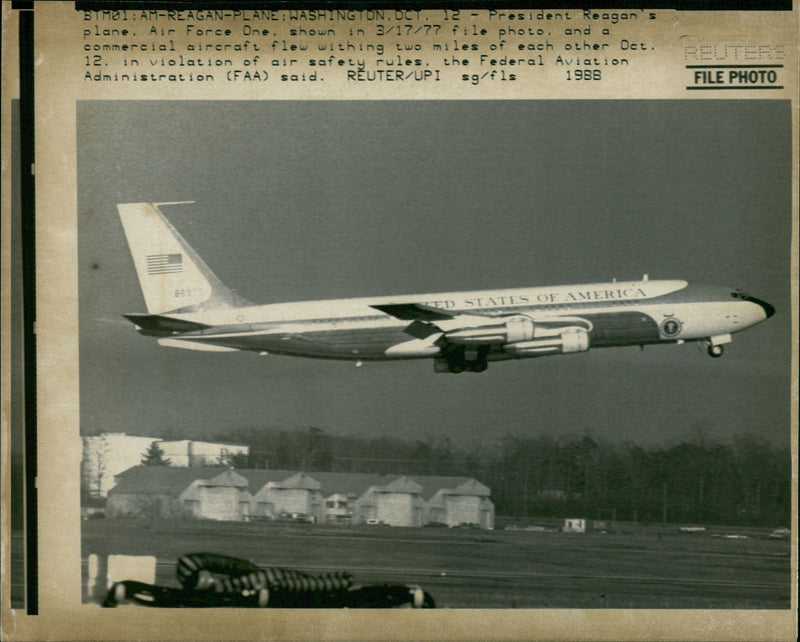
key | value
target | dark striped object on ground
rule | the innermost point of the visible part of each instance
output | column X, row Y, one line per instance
column 227, row 574
column 211, row 580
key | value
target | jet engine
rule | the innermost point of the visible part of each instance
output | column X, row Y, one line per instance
column 513, row 330
column 568, row 340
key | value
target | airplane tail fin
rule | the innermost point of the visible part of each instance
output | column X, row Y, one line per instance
column 172, row 276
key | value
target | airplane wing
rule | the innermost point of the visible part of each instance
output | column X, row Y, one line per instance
column 427, row 321
column 412, row 312
column 424, row 318
column 453, row 338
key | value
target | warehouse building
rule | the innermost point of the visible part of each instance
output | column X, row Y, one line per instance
column 239, row 495
column 187, row 452
column 152, row 491
column 106, row 456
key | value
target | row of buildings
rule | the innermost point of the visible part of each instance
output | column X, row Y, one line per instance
column 227, row 494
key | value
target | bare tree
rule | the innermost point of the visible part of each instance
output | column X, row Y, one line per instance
column 95, row 464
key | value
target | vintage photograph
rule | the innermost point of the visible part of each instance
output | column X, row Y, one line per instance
column 454, row 354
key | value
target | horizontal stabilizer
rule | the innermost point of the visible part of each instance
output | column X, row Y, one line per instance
column 412, row 312
column 194, row 345
column 160, row 323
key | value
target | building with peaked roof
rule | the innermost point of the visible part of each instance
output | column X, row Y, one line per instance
column 222, row 497
column 296, row 494
column 164, row 491
column 397, row 503
column 465, row 502
column 149, row 491
column 342, row 492
column 235, row 495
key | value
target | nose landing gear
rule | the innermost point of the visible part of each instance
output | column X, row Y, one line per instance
column 714, row 345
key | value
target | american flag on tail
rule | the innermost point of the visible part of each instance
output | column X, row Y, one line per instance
column 164, row 264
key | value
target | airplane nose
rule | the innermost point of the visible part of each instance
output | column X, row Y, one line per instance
column 769, row 310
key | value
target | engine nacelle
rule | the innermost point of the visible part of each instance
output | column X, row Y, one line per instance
column 513, row 330
column 575, row 340
column 569, row 340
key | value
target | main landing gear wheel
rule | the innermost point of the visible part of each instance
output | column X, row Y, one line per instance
column 457, row 361
column 479, row 363
column 715, row 351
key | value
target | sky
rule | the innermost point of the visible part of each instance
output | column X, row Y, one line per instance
column 327, row 199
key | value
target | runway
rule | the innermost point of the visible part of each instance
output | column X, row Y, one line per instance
column 654, row 568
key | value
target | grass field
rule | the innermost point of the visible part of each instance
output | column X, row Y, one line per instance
column 642, row 567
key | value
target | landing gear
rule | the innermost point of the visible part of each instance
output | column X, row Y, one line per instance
column 714, row 344
column 480, row 362
column 458, row 367
column 456, row 361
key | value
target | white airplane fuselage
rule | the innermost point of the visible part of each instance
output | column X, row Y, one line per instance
column 189, row 308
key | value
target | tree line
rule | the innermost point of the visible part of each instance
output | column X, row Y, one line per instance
column 745, row 482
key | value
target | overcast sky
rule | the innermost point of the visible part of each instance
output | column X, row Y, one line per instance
column 314, row 200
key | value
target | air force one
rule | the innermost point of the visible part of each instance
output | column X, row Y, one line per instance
column 189, row 307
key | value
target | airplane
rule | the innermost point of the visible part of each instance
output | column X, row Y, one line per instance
column 189, row 307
